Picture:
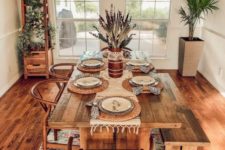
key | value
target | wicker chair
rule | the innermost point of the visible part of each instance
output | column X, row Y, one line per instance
column 50, row 103
column 55, row 69
column 39, row 96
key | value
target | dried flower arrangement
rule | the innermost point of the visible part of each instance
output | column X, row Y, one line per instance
column 117, row 27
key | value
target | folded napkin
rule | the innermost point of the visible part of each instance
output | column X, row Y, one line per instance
column 145, row 69
column 91, row 54
column 139, row 89
column 94, row 110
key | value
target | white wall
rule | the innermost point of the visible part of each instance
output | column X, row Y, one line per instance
column 176, row 29
column 9, row 66
column 212, row 64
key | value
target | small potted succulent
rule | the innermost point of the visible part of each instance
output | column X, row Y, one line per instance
column 116, row 28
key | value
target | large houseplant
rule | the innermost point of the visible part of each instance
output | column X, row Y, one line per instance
column 115, row 33
column 190, row 48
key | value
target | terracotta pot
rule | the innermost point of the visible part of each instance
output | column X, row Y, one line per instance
column 115, row 62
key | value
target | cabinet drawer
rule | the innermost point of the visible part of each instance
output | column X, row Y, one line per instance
column 36, row 68
column 35, row 61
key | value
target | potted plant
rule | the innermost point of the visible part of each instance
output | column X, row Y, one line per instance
column 31, row 38
column 190, row 48
column 116, row 28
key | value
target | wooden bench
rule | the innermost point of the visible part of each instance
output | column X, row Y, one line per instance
column 189, row 137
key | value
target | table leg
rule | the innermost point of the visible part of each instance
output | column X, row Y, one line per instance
column 83, row 138
column 144, row 138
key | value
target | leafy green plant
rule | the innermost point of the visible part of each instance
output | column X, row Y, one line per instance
column 117, row 27
column 34, row 3
column 32, row 36
column 23, row 42
column 195, row 11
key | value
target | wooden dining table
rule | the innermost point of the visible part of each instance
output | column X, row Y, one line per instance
column 157, row 111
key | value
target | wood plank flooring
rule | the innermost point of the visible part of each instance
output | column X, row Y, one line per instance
column 21, row 116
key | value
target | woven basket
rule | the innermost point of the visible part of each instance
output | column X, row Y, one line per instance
column 85, row 91
column 91, row 70
column 131, row 115
column 126, row 85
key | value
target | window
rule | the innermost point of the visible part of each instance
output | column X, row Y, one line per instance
column 151, row 17
column 75, row 19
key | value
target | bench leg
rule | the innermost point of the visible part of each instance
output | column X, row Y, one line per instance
column 189, row 147
column 83, row 138
column 144, row 138
column 171, row 147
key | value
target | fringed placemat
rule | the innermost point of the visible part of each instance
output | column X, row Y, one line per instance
column 132, row 126
column 84, row 91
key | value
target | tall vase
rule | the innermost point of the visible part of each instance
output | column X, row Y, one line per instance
column 115, row 62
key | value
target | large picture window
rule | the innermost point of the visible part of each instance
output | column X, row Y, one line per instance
column 75, row 19
column 151, row 17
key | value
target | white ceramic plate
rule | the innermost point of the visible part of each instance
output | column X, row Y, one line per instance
column 116, row 105
column 137, row 63
column 88, row 82
column 143, row 80
column 91, row 63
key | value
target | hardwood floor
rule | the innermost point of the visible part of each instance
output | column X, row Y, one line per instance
column 21, row 116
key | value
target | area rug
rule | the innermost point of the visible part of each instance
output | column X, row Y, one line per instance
column 157, row 140
column 63, row 136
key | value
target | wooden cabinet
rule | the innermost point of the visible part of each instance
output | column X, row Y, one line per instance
column 37, row 63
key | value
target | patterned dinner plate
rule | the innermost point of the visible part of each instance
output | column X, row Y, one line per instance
column 143, row 80
column 116, row 105
column 92, row 63
column 137, row 63
column 88, row 82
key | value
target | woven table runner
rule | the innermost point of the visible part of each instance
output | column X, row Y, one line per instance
column 115, row 88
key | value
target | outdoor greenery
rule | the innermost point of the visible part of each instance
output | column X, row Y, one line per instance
column 151, row 19
column 137, row 12
column 32, row 35
column 89, row 7
column 195, row 11
column 34, row 3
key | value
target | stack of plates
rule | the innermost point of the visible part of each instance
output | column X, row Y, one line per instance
column 138, row 63
column 116, row 105
column 88, row 82
column 142, row 80
column 92, row 63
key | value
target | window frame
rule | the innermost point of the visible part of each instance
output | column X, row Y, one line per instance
column 151, row 20
column 85, row 20
column 101, row 8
